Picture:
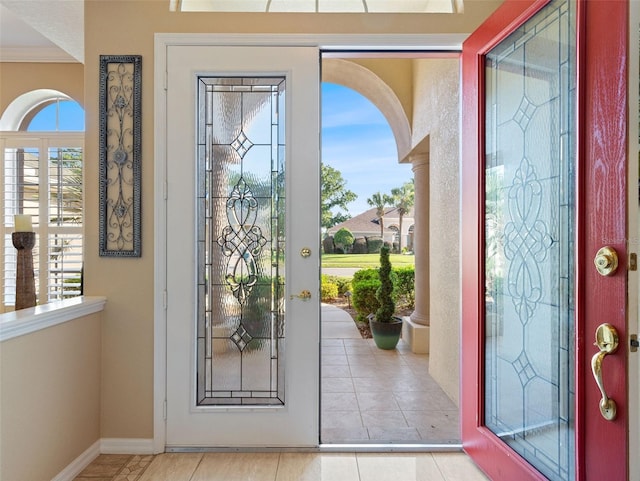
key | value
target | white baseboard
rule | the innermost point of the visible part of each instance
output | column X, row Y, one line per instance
column 78, row 464
column 126, row 446
column 104, row 446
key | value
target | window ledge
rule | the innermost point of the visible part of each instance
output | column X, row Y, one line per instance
column 26, row 321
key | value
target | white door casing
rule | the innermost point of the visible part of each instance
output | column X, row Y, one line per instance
column 295, row 423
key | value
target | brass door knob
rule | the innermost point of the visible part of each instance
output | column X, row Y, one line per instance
column 606, row 261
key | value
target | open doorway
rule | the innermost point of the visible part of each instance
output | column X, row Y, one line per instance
column 408, row 394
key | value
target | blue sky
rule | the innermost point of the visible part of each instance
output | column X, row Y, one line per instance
column 357, row 141
column 71, row 117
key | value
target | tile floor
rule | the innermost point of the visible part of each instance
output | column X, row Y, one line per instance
column 285, row 466
column 370, row 395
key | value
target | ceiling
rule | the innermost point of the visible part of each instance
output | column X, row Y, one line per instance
column 42, row 31
column 53, row 30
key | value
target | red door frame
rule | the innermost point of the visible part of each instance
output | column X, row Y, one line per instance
column 601, row 446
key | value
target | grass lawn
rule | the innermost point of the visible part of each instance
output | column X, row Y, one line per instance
column 364, row 260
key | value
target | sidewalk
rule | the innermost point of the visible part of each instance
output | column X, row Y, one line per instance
column 337, row 324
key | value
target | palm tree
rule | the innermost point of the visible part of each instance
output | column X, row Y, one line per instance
column 380, row 201
column 403, row 199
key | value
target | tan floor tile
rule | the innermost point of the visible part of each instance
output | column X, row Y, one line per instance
column 172, row 467
column 458, row 467
column 336, row 371
column 317, row 467
column 96, row 470
column 334, row 360
column 337, row 384
column 393, row 435
column 339, row 401
column 345, row 435
column 398, row 467
column 82, row 478
column 237, row 467
column 377, row 401
column 383, row 419
column 341, row 419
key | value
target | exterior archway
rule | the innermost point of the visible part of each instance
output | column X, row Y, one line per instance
column 365, row 82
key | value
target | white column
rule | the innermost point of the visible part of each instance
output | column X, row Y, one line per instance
column 416, row 326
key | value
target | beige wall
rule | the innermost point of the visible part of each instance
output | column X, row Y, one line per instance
column 127, row 407
column 19, row 78
column 50, row 399
column 437, row 114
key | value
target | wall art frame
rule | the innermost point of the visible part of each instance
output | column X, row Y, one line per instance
column 120, row 155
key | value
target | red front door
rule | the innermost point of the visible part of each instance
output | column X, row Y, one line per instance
column 544, row 188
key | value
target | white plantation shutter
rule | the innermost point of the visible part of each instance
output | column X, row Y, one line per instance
column 42, row 177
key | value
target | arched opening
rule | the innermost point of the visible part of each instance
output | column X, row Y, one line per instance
column 42, row 174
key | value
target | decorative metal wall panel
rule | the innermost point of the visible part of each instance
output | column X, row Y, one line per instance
column 241, row 219
column 120, row 155
column 530, row 230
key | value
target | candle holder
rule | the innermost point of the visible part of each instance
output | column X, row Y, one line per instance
column 25, row 283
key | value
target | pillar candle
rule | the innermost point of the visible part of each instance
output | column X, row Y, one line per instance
column 23, row 223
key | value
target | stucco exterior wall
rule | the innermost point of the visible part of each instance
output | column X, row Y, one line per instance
column 437, row 114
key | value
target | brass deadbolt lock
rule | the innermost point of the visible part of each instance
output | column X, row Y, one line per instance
column 606, row 261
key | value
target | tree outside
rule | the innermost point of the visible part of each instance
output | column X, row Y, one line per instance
column 334, row 197
column 380, row 202
column 403, row 200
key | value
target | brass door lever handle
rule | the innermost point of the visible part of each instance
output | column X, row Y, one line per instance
column 607, row 341
column 304, row 295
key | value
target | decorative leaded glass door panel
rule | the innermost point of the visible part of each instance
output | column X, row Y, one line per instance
column 546, row 137
column 243, row 193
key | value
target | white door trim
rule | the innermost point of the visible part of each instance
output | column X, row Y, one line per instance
column 422, row 42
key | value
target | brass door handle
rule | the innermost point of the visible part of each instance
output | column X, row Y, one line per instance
column 304, row 295
column 607, row 341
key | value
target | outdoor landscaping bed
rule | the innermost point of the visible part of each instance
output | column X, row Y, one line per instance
column 363, row 327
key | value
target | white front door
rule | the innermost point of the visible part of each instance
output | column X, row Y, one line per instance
column 242, row 246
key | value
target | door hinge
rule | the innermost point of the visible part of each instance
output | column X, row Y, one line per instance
column 165, row 300
column 166, row 80
column 633, row 261
column 635, row 344
column 164, row 410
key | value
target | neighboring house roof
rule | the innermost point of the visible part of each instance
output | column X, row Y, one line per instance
column 368, row 222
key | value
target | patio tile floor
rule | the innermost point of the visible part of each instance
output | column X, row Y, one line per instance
column 374, row 396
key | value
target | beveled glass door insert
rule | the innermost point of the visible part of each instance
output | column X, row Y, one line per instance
column 529, row 240
column 241, row 214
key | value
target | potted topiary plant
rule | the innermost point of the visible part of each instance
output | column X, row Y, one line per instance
column 385, row 327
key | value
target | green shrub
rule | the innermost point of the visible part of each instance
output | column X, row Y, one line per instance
column 405, row 285
column 327, row 245
column 359, row 246
column 342, row 285
column 365, row 274
column 374, row 244
column 364, row 297
column 344, row 239
column 384, row 293
column 328, row 291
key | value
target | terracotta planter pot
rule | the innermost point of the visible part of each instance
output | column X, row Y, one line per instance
column 386, row 334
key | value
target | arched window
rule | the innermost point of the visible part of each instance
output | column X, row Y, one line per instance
column 42, row 177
